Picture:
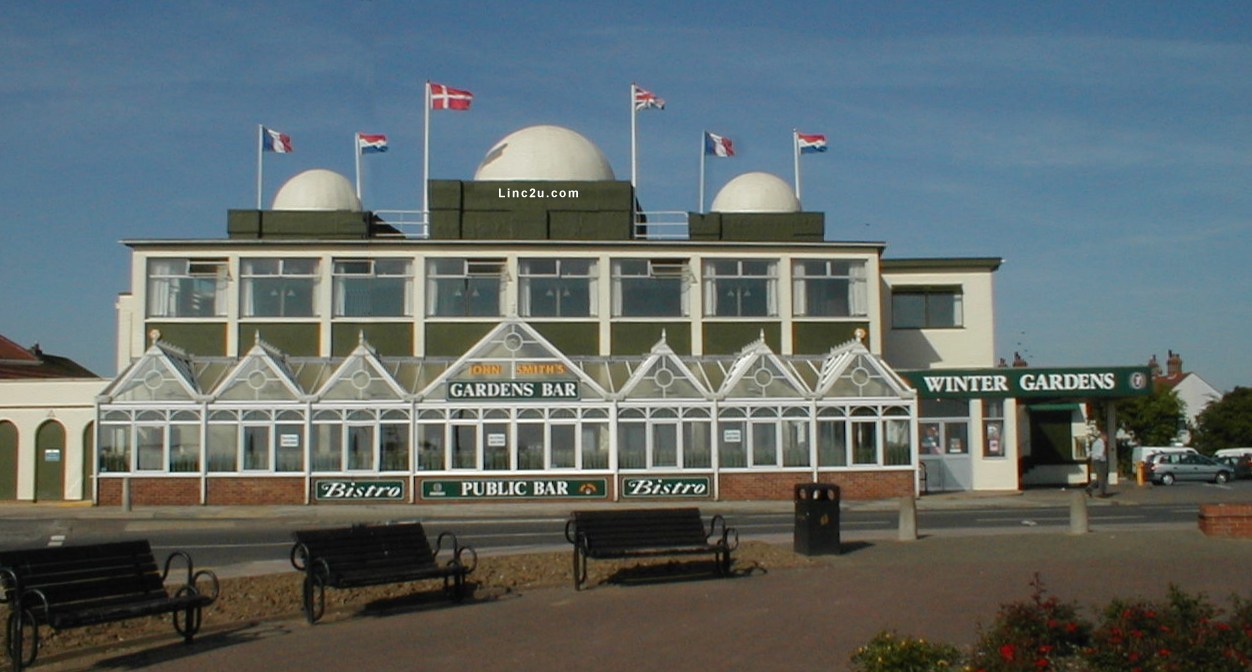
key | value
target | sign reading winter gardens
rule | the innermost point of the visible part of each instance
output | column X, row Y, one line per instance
column 1116, row 381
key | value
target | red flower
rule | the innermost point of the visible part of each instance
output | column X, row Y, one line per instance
column 1007, row 652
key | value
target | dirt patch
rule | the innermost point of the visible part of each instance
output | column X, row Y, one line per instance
column 246, row 601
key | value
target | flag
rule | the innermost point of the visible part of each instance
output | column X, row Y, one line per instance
column 810, row 144
column 645, row 99
column 371, row 143
column 717, row 145
column 275, row 141
column 447, row 98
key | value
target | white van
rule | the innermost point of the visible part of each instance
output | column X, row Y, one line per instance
column 1144, row 453
column 1233, row 452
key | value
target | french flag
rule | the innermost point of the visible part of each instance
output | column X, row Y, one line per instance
column 371, row 143
column 718, row 145
column 275, row 141
column 810, row 144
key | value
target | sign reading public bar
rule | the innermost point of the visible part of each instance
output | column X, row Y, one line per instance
column 1116, row 381
column 337, row 489
column 514, row 488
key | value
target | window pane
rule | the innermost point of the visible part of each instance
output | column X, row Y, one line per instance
column 665, row 445
column 496, row 446
column 896, row 443
column 150, row 448
column 562, row 446
column 289, row 451
column 184, row 448
column 732, row 446
column 327, row 447
column 650, row 297
column 430, row 445
column 696, row 449
column 864, row 443
column 595, row 445
column 632, row 444
column 256, row 448
column 114, row 448
column 223, row 447
column 360, row 447
column 764, row 444
column 832, row 444
column 393, row 447
column 908, row 311
column 529, row 445
column 795, row 443
column 464, row 447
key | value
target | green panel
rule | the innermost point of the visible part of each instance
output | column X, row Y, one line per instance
column 50, row 462
column 704, row 226
column 590, row 225
column 571, row 338
column 298, row 224
column 637, row 338
column 780, row 227
column 728, row 338
column 504, row 225
column 300, row 340
column 8, row 461
column 817, row 338
column 445, row 194
column 1051, row 441
column 387, row 339
column 202, row 338
column 454, row 339
column 1071, row 383
column 548, row 196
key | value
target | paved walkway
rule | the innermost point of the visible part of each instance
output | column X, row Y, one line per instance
column 938, row 587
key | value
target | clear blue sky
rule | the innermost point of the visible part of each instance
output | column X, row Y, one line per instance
column 1104, row 150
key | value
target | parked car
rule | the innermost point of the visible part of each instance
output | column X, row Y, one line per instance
column 1240, row 465
column 1165, row 468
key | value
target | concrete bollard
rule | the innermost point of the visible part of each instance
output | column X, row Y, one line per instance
column 1078, row 521
column 908, row 519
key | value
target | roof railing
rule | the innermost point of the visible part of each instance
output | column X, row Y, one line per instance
column 662, row 225
column 407, row 223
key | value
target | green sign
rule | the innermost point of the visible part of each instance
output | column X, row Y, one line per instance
column 1118, row 381
column 347, row 490
column 667, row 487
column 512, row 389
column 515, row 488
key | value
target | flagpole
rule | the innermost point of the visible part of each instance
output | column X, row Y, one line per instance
column 426, row 159
column 260, row 144
column 795, row 149
column 703, row 139
column 356, row 149
column 634, row 114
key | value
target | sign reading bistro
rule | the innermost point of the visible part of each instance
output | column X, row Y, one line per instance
column 1118, row 381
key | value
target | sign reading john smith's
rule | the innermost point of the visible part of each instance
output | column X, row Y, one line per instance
column 1115, row 381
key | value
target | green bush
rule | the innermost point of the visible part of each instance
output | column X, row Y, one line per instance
column 1031, row 635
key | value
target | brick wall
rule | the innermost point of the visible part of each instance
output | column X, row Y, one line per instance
column 852, row 485
column 246, row 491
column 1226, row 520
column 152, row 491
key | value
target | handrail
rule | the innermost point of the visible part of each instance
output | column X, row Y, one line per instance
column 407, row 223
column 662, row 225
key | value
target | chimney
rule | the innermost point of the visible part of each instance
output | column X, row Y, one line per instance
column 1173, row 365
column 1155, row 366
column 1018, row 362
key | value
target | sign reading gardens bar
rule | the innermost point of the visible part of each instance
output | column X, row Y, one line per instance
column 1115, row 381
column 514, row 488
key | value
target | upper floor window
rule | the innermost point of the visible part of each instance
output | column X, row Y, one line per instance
column 740, row 288
column 926, row 307
column 278, row 287
column 829, row 288
column 187, row 287
column 373, row 287
column 557, row 287
column 650, row 287
column 464, row 287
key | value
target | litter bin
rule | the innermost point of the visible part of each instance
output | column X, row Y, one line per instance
column 817, row 519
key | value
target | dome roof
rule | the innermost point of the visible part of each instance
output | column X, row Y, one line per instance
column 317, row 189
column 756, row 192
column 544, row 153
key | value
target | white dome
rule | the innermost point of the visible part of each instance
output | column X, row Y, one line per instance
column 544, row 153
column 317, row 189
column 756, row 192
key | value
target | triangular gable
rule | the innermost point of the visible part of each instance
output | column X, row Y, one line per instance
column 361, row 377
column 514, row 362
column 162, row 373
column 662, row 375
column 759, row 373
column 262, row 375
column 851, row 370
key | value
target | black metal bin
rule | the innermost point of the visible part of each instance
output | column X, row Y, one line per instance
column 817, row 519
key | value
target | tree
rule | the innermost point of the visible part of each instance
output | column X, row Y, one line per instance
column 1153, row 420
column 1225, row 423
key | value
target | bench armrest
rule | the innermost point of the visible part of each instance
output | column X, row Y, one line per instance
column 213, row 582
column 458, row 551
column 728, row 537
column 169, row 561
column 300, row 556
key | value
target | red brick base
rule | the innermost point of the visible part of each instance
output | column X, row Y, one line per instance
column 152, row 491
column 852, row 485
column 1226, row 520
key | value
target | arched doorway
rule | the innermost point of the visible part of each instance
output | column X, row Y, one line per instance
column 50, row 462
column 8, row 460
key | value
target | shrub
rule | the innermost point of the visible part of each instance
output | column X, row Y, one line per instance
column 1031, row 635
column 888, row 652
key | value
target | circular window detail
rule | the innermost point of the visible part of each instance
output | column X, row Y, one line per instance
column 361, row 380
column 256, row 380
column 153, row 379
column 663, row 378
column 763, row 377
column 513, row 342
column 860, row 376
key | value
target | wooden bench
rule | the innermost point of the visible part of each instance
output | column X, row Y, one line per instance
column 370, row 555
column 72, row 586
column 630, row 533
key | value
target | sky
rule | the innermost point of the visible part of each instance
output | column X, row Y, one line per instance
column 1102, row 150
